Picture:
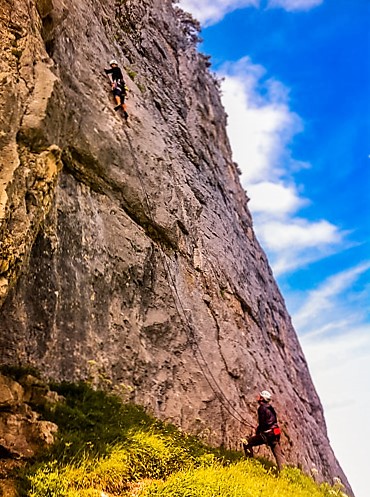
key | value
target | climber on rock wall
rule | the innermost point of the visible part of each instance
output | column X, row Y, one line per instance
column 118, row 86
column 267, row 432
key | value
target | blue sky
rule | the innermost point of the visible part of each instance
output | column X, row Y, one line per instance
column 296, row 87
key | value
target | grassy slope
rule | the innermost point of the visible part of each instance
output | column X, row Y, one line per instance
column 107, row 448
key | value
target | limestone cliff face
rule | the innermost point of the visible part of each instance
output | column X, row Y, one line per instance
column 132, row 245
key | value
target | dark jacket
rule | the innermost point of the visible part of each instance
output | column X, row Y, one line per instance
column 115, row 72
column 267, row 418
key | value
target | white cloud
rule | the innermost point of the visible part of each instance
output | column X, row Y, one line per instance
column 294, row 5
column 275, row 198
column 211, row 11
column 260, row 122
column 299, row 233
column 322, row 303
column 334, row 320
column 261, row 126
column 294, row 259
column 293, row 243
column 340, row 368
column 334, row 351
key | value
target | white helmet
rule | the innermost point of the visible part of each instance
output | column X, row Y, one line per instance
column 113, row 61
column 265, row 395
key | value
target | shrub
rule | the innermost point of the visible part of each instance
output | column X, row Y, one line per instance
column 243, row 479
column 47, row 481
column 107, row 446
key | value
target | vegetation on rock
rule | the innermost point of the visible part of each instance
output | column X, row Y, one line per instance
column 109, row 448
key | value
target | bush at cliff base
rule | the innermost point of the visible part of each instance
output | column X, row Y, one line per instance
column 106, row 447
column 243, row 479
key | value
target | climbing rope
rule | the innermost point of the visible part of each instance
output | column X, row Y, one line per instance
column 215, row 387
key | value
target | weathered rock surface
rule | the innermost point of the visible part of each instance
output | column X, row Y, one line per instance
column 22, row 433
column 133, row 246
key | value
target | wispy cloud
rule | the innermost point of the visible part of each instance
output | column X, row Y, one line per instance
column 300, row 233
column 340, row 367
column 329, row 303
column 261, row 127
column 294, row 243
column 334, row 362
column 334, row 324
column 260, row 122
column 294, row 5
column 212, row 11
column 277, row 199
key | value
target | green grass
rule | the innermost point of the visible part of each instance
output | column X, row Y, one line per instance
column 243, row 479
column 115, row 448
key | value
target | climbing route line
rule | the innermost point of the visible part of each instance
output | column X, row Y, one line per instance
column 214, row 385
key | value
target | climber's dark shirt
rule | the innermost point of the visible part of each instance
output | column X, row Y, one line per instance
column 115, row 72
column 266, row 417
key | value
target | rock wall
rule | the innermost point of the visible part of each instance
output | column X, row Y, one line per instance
column 22, row 433
column 129, row 248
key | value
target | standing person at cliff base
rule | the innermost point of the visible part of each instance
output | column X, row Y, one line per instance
column 267, row 432
column 118, row 86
